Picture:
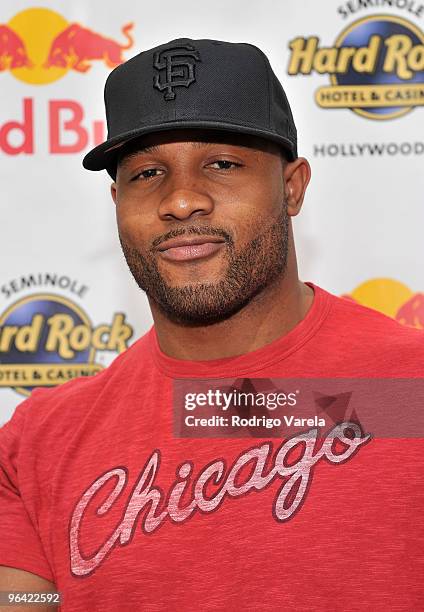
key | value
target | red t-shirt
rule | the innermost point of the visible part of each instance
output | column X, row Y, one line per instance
column 96, row 493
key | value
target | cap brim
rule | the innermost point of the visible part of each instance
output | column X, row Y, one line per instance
column 104, row 155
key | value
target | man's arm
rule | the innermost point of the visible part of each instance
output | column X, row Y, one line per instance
column 12, row 579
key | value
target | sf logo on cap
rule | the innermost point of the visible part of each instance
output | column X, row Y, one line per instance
column 178, row 64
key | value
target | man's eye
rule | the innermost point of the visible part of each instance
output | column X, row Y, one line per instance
column 223, row 164
column 147, row 174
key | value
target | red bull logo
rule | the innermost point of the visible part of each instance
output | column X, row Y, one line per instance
column 39, row 46
column 392, row 298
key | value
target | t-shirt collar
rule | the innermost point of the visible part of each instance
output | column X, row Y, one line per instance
column 254, row 361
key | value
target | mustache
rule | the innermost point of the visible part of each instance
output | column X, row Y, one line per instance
column 193, row 230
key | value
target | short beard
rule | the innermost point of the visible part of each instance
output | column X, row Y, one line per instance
column 249, row 272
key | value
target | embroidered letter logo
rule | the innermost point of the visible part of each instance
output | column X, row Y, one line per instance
column 179, row 64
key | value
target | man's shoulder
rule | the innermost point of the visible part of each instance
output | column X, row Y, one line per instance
column 374, row 331
column 372, row 320
column 71, row 400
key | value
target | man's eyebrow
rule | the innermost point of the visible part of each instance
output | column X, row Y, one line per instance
column 127, row 157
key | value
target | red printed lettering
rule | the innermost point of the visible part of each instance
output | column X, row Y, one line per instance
column 58, row 126
column 26, row 128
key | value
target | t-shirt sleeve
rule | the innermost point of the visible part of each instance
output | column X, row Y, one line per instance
column 20, row 543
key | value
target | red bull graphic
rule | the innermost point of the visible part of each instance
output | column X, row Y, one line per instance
column 76, row 47
column 13, row 53
column 392, row 298
column 412, row 312
column 39, row 46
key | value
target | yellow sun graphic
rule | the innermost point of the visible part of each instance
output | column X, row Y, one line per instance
column 384, row 294
column 37, row 28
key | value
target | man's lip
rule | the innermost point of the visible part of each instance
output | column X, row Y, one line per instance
column 187, row 242
column 192, row 250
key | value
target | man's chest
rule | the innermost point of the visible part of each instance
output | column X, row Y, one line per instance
column 207, row 513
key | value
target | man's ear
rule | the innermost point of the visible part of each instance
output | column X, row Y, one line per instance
column 113, row 191
column 297, row 175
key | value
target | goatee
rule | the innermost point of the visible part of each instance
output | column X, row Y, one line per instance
column 250, row 270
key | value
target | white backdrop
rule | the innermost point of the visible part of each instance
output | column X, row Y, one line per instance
column 360, row 232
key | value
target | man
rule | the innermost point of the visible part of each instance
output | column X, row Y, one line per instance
column 104, row 495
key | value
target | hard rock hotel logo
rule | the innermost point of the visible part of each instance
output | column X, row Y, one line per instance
column 376, row 67
column 47, row 339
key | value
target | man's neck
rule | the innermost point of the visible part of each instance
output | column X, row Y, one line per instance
column 272, row 314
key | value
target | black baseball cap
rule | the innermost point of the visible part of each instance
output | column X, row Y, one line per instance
column 205, row 84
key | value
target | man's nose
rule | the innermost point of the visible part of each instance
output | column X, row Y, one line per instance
column 185, row 203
